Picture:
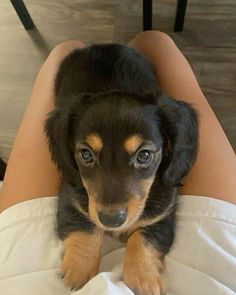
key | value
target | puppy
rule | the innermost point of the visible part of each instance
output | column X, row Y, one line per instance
column 122, row 148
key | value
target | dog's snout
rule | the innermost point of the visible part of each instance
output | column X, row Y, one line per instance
column 114, row 219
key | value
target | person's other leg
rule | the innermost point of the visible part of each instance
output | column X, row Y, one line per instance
column 214, row 173
column 30, row 171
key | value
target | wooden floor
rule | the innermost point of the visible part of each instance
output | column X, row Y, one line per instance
column 208, row 42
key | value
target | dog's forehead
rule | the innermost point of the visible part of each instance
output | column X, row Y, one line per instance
column 127, row 145
column 118, row 124
column 130, row 143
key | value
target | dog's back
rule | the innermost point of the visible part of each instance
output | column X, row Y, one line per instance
column 103, row 67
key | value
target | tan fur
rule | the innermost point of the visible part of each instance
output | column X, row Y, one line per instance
column 146, row 184
column 85, row 183
column 93, row 211
column 136, row 205
column 81, row 257
column 142, row 267
column 132, row 143
column 95, row 142
column 76, row 204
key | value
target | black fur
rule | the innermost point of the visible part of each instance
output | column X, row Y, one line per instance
column 69, row 219
column 3, row 167
column 119, row 82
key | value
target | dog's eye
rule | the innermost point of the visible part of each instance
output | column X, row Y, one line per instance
column 144, row 158
column 86, row 156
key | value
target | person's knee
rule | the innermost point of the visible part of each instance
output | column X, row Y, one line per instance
column 150, row 36
column 64, row 48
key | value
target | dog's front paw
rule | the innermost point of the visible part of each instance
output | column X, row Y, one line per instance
column 142, row 267
column 81, row 258
column 143, row 282
column 78, row 269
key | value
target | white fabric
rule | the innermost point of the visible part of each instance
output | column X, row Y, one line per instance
column 202, row 259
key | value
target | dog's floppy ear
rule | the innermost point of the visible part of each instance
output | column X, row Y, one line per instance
column 60, row 140
column 60, row 134
column 179, row 126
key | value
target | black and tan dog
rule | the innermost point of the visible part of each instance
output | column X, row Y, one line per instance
column 122, row 148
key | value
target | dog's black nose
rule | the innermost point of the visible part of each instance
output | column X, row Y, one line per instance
column 115, row 219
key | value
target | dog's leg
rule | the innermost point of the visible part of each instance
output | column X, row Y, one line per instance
column 81, row 257
column 82, row 243
column 144, row 257
column 143, row 266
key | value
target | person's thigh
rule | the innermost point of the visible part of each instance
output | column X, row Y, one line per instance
column 214, row 173
column 30, row 171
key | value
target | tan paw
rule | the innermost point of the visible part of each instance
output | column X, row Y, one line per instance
column 142, row 267
column 143, row 282
column 81, row 258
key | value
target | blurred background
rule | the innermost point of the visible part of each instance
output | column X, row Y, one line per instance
column 208, row 41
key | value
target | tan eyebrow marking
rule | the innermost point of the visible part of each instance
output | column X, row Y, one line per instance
column 132, row 143
column 95, row 141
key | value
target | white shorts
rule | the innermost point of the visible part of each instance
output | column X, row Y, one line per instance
column 202, row 260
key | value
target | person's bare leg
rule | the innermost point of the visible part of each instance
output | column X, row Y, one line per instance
column 30, row 171
column 214, row 173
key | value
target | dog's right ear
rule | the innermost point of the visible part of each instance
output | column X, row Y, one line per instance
column 60, row 134
column 60, row 140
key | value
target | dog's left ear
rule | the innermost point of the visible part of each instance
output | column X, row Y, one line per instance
column 179, row 127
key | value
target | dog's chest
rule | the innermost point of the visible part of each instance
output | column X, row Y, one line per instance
column 122, row 236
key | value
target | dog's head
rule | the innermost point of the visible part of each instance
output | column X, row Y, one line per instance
column 112, row 144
